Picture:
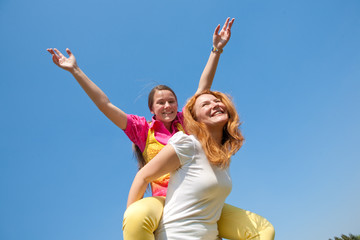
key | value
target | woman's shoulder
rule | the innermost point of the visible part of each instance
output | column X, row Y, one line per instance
column 184, row 146
column 182, row 138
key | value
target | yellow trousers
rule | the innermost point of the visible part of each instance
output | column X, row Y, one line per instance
column 141, row 219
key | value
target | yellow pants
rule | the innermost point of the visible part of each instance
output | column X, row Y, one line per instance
column 141, row 219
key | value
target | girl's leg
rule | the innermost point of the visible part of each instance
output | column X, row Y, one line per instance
column 142, row 218
column 238, row 224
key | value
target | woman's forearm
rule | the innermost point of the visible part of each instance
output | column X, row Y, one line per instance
column 220, row 39
column 164, row 162
column 137, row 189
column 208, row 74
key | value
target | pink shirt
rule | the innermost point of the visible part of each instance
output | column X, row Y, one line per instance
column 137, row 129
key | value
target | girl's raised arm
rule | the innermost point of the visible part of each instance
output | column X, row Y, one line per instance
column 116, row 115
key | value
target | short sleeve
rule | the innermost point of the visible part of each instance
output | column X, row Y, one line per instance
column 136, row 130
column 184, row 146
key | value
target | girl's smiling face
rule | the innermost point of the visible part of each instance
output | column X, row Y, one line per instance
column 164, row 106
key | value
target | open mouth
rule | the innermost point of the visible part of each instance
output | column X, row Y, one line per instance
column 167, row 113
column 217, row 112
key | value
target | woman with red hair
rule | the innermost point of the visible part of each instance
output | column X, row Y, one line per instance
column 199, row 176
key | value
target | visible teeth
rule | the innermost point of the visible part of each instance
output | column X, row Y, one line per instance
column 217, row 113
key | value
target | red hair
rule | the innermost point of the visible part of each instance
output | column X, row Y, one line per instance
column 232, row 141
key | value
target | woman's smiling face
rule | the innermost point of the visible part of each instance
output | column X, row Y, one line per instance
column 211, row 111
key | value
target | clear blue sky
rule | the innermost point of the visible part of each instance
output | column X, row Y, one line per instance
column 293, row 68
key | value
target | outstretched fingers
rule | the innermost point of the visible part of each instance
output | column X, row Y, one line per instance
column 55, row 57
column 59, row 53
column 230, row 24
column 51, row 51
column 225, row 24
column 64, row 62
column 228, row 29
column 216, row 32
column 68, row 52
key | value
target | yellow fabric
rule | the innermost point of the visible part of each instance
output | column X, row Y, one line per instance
column 141, row 219
column 239, row 224
column 152, row 148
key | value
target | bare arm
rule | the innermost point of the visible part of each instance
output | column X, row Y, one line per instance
column 116, row 115
column 219, row 42
column 164, row 162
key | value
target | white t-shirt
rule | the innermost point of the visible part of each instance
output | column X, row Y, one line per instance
column 195, row 195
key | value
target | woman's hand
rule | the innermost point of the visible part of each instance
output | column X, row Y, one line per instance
column 222, row 38
column 68, row 64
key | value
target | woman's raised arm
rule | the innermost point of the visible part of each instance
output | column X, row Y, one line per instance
column 116, row 115
column 220, row 39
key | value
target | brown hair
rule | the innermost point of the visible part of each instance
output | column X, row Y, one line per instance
column 138, row 155
column 232, row 141
column 153, row 91
column 136, row 149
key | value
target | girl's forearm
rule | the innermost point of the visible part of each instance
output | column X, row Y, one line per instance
column 91, row 89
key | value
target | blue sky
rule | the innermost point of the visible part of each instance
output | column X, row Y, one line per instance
column 293, row 68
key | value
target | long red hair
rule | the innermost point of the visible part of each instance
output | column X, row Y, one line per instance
column 232, row 140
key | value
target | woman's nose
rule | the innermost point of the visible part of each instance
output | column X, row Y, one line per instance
column 215, row 104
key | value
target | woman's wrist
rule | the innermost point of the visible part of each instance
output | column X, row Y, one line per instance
column 216, row 50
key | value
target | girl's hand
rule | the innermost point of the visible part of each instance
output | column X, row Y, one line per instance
column 68, row 64
column 222, row 38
